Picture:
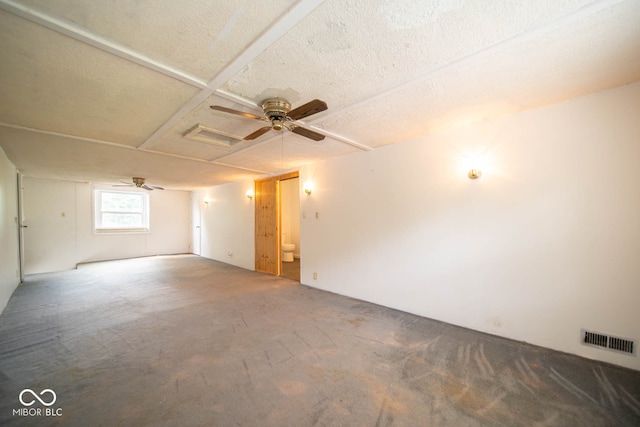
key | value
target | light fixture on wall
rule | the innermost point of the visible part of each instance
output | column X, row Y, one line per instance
column 206, row 201
column 475, row 173
column 249, row 194
column 308, row 187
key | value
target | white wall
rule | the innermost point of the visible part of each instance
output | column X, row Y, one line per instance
column 547, row 242
column 227, row 224
column 9, row 252
column 60, row 227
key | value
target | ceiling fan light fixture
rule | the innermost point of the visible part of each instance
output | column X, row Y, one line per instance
column 279, row 115
column 277, row 124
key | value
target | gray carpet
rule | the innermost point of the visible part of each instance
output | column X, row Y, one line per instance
column 186, row 341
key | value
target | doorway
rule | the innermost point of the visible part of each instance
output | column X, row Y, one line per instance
column 290, row 228
column 268, row 211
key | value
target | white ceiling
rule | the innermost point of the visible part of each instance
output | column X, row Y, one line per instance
column 104, row 91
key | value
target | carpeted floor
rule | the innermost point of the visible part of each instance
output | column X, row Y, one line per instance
column 291, row 270
column 186, row 341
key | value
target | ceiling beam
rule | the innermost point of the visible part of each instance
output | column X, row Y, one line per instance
column 126, row 147
column 81, row 34
column 287, row 21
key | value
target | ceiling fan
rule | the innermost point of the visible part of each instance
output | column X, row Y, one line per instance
column 139, row 182
column 279, row 115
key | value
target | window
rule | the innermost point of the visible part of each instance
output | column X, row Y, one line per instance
column 121, row 211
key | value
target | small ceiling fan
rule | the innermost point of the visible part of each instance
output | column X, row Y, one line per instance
column 139, row 182
column 279, row 115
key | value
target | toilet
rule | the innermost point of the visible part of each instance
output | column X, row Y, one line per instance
column 287, row 249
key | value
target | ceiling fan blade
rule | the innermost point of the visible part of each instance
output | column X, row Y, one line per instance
column 308, row 109
column 156, row 187
column 257, row 133
column 146, row 187
column 122, row 185
column 307, row 133
column 236, row 112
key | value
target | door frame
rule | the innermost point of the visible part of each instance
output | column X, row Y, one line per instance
column 280, row 217
column 21, row 227
column 259, row 225
column 196, row 223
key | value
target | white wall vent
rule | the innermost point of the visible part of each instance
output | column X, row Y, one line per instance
column 212, row 136
column 609, row 342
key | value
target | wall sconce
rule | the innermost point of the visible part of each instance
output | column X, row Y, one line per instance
column 249, row 194
column 475, row 173
column 206, row 201
column 308, row 188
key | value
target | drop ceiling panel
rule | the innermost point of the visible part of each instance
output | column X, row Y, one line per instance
column 55, row 83
column 56, row 157
column 199, row 36
column 389, row 70
column 286, row 151
column 188, row 148
column 345, row 52
column 585, row 56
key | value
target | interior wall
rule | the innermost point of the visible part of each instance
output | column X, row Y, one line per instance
column 227, row 224
column 59, row 216
column 9, row 249
column 545, row 243
column 290, row 207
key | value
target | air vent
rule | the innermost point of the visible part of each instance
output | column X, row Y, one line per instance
column 212, row 136
column 607, row 341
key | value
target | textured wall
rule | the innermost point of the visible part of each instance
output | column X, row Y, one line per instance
column 228, row 224
column 60, row 234
column 547, row 242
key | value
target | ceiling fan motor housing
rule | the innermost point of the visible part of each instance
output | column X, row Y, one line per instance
column 139, row 182
column 276, row 110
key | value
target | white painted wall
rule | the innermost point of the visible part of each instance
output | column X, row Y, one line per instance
column 9, row 252
column 547, row 242
column 227, row 224
column 60, row 227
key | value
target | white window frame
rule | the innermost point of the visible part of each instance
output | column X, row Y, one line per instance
column 97, row 212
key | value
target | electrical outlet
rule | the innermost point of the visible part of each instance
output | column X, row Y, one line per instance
column 315, row 276
column 230, row 253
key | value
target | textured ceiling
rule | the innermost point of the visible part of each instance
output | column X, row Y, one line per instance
column 103, row 91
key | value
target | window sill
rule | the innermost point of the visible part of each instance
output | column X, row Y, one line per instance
column 121, row 231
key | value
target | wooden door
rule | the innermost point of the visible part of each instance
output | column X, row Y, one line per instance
column 267, row 197
column 267, row 243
